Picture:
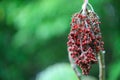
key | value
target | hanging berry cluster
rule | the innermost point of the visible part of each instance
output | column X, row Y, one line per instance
column 84, row 40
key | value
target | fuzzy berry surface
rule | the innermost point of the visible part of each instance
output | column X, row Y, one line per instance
column 85, row 40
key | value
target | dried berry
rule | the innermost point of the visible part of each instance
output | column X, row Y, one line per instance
column 84, row 40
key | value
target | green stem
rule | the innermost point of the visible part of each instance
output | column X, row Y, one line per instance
column 101, row 66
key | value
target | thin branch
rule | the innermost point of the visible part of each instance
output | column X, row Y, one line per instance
column 74, row 66
column 90, row 7
column 101, row 65
column 84, row 6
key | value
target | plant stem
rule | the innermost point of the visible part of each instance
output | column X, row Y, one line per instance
column 84, row 7
column 74, row 66
column 101, row 66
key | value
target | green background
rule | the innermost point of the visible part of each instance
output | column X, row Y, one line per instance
column 33, row 36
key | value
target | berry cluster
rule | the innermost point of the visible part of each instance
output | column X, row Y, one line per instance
column 84, row 40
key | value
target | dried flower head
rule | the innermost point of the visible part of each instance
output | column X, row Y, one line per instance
column 84, row 40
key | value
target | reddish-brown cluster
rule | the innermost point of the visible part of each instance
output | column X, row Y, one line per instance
column 85, row 40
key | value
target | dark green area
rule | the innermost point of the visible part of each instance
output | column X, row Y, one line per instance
column 33, row 35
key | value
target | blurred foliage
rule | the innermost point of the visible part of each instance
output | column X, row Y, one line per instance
column 33, row 35
column 52, row 74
